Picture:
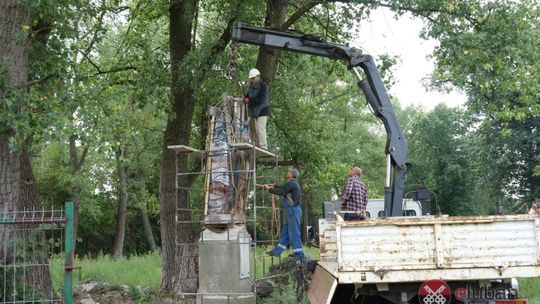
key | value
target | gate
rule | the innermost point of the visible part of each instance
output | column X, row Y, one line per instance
column 33, row 244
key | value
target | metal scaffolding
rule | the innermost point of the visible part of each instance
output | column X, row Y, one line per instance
column 227, row 197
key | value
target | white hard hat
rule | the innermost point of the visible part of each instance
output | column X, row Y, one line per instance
column 253, row 73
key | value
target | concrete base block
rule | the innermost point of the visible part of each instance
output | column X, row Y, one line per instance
column 224, row 267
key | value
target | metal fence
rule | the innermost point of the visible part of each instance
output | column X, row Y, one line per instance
column 34, row 245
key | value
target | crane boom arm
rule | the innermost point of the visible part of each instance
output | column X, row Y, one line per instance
column 372, row 87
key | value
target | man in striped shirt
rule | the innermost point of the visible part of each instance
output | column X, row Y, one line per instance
column 355, row 196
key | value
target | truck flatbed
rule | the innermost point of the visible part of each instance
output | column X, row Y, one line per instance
column 416, row 249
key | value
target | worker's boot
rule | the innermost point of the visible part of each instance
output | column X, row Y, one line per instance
column 296, row 258
column 271, row 253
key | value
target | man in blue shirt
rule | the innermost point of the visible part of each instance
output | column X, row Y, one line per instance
column 291, row 232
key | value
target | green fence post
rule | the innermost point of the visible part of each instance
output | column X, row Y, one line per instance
column 68, row 248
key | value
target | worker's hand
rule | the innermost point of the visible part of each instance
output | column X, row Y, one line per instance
column 268, row 186
column 246, row 100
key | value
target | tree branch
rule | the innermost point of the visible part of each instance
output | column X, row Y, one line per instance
column 120, row 69
column 426, row 13
column 73, row 153
column 89, row 60
column 221, row 43
column 95, row 31
column 100, row 71
column 299, row 13
column 37, row 81
column 130, row 25
column 82, row 159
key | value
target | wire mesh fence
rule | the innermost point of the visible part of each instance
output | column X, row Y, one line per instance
column 29, row 240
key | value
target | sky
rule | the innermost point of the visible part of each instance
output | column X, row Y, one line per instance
column 383, row 34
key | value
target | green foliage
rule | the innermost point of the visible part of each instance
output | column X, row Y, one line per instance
column 443, row 153
column 139, row 297
column 98, row 198
column 109, row 91
column 491, row 52
column 287, row 293
column 52, row 171
column 321, row 124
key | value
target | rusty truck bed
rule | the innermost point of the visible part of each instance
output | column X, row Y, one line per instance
column 416, row 249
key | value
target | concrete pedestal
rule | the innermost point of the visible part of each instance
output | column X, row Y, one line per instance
column 224, row 267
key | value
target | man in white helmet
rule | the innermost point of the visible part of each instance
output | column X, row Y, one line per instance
column 258, row 107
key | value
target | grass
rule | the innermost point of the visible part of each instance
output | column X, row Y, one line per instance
column 143, row 270
column 529, row 288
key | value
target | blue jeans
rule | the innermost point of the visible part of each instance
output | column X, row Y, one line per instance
column 290, row 233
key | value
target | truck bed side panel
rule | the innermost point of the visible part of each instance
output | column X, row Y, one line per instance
column 496, row 245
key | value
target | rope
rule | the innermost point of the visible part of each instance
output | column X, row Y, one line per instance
column 273, row 221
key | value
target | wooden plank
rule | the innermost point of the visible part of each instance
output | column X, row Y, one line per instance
column 263, row 153
column 439, row 250
column 259, row 152
column 208, row 165
column 183, row 149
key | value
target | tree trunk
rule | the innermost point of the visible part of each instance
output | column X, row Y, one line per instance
column 178, row 247
column 148, row 233
column 147, row 226
column 122, row 189
column 13, row 51
column 39, row 275
column 267, row 59
column 9, row 187
column 76, row 164
column 17, row 183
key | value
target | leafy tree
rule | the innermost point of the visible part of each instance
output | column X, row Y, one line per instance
column 443, row 153
column 491, row 54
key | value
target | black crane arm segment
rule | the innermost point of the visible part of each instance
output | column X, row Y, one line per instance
column 372, row 87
